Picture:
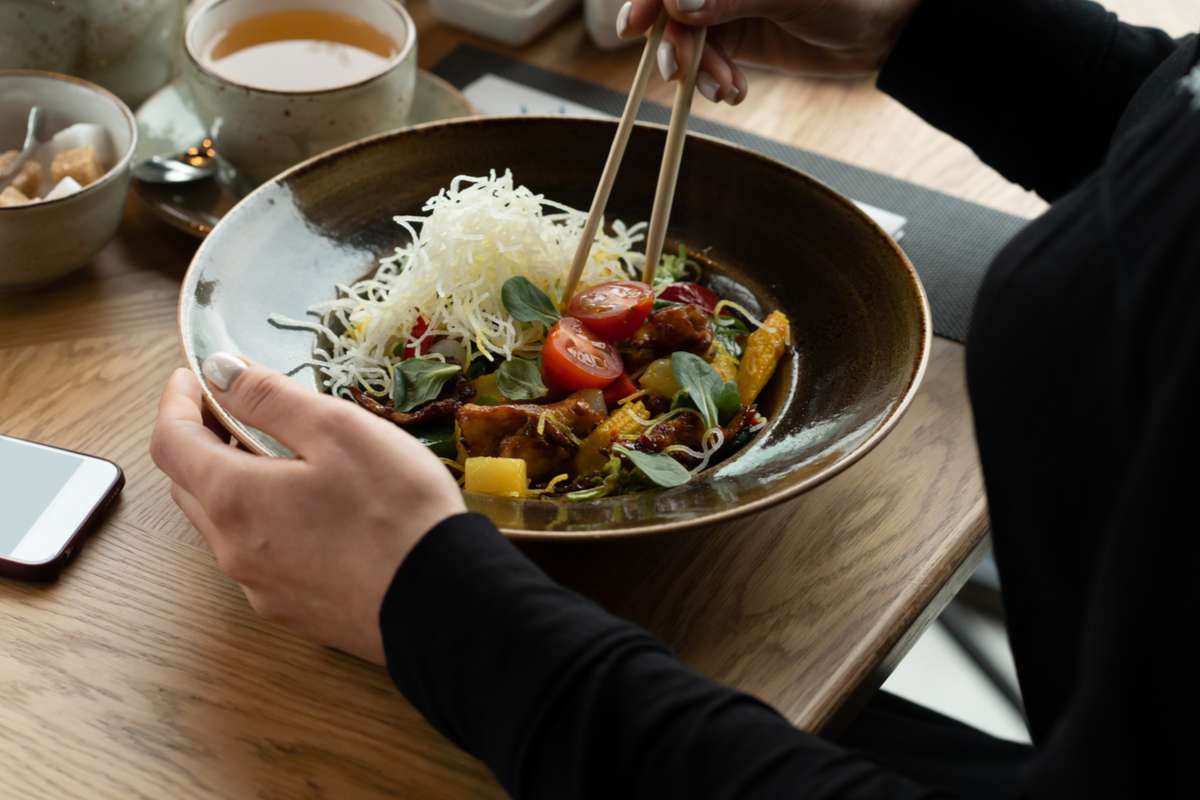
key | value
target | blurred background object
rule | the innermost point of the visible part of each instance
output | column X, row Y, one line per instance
column 512, row 22
column 600, row 18
column 129, row 47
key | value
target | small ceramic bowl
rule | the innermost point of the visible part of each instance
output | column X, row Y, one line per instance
column 41, row 242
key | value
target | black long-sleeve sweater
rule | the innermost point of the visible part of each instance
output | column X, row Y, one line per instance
column 1083, row 363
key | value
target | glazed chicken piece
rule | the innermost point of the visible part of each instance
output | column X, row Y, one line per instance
column 688, row 430
column 441, row 408
column 744, row 418
column 684, row 327
column 543, row 458
column 685, row 429
column 511, row 430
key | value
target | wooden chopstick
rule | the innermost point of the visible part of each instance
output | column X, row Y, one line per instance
column 672, row 154
column 615, row 154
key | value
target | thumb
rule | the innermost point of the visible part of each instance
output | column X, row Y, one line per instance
column 265, row 399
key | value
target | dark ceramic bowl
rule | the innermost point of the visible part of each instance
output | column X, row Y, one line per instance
column 860, row 321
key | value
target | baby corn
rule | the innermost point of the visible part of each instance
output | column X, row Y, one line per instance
column 622, row 421
column 763, row 349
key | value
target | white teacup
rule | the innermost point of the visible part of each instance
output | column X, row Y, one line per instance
column 263, row 131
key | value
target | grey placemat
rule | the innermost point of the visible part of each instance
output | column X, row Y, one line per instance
column 951, row 241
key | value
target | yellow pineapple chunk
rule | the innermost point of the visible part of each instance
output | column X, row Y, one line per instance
column 502, row 477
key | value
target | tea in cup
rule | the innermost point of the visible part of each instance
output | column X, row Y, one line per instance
column 279, row 81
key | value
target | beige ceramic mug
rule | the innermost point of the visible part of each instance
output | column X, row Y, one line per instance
column 130, row 48
column 262, row 131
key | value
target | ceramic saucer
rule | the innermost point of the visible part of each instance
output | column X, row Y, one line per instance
column 167, row 123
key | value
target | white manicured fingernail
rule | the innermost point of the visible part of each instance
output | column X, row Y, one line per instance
column 222, row 369
column 623, row 18
column 733, row 95
column 690, row 6
column 667, row 64
column 707, row 86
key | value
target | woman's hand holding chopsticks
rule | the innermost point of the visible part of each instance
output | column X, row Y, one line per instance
column 832, row 38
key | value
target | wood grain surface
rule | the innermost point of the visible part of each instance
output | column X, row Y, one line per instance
column 143, row 673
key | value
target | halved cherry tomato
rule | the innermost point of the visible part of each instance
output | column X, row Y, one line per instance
column 418, row 329
column 621, row 388
column 613, row 310
column 572, row 358
column 692, row 294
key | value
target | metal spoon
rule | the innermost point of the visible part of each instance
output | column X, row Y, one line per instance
column 197, row 163
column 34, row 128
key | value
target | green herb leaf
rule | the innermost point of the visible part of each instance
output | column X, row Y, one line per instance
column 661, row 469
column 418, row 380
column 716, row 400
column 682, row 400
column 399, row 392
column 521, row 379
column 701, row 382
column 438, row 437
column 728, row 400
column 527, row 303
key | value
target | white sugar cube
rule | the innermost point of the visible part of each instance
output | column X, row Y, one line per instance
column 64, row 187
column 83, row 134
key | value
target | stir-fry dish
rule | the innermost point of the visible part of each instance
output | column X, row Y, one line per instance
column 463, row 339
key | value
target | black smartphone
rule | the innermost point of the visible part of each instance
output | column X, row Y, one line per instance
column 48, row 499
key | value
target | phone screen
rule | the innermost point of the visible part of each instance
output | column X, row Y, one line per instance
column 31, row 477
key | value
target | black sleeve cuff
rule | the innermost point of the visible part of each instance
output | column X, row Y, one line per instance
column 484, row 644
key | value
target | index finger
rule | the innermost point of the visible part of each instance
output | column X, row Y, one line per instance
column 182, row 446
column 636, row 17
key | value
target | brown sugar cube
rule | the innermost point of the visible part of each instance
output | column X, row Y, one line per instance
column 12, row 196
column 79, row 163
column 29, row 179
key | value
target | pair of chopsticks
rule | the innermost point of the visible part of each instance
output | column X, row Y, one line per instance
column 672, row 153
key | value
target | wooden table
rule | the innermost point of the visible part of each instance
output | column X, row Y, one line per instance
column 143, row 673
